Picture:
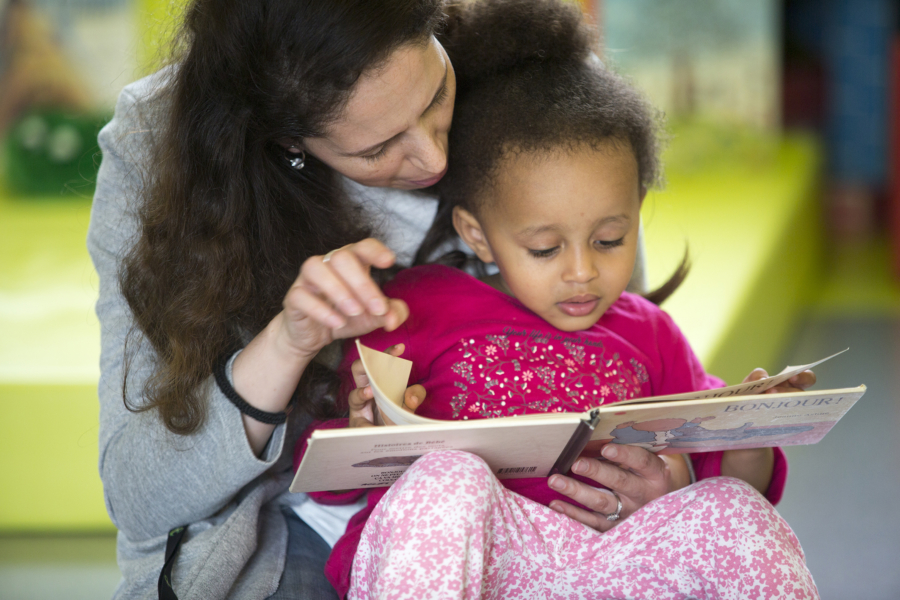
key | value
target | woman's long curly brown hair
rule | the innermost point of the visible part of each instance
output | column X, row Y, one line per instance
column 225, row 221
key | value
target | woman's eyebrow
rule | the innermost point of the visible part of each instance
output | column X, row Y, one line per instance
column 434, row 100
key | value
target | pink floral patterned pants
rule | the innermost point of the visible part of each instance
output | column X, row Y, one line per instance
column 448, row 529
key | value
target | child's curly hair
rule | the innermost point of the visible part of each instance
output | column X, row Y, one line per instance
column 527, row 81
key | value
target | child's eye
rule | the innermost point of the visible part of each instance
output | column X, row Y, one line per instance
column 546, row 253
column 377, row 155
column 611, row 243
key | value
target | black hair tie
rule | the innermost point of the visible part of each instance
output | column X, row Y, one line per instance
column 262, row 416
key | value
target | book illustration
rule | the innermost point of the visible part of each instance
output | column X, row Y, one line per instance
column 692, row 431
column 657, row 434
column 724, row 423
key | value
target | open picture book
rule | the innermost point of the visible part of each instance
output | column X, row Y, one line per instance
column 538, row 445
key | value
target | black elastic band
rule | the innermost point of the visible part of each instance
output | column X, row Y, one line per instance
column 251, row 411
column 164, row 585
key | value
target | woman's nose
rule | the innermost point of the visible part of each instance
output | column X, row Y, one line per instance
column 429, row 152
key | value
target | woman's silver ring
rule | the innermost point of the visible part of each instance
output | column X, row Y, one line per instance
column 615, row 516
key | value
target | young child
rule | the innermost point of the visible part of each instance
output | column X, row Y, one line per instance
column 551, row 155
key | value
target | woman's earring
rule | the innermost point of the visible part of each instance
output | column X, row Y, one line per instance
column 297, row 162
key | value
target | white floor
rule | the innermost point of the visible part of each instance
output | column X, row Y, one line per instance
column 842, row 495
column 58, row 567
column 58, row 581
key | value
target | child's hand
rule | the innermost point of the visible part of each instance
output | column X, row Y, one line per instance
column 798, row 383
column 755, row 465
column 363, row 411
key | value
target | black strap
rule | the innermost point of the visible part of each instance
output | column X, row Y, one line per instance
column 251, row 411
column 165, row 576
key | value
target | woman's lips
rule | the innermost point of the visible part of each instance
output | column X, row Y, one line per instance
column 579, row 306
column 429, row 182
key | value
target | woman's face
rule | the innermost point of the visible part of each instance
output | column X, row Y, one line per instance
column 393, row 131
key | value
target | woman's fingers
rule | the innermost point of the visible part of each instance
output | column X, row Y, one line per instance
column 371, row 252
column 637, row 472
column 600, row 501
column 351, row 265
column 638, row 476
column 341, row 279
column 396, row 350
column 397, row 313
column 594, row 520
column 633, row 472
column 301, row 302
column 335, row 297
column 322, row 277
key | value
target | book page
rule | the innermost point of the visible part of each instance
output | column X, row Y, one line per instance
column 388, row 376
column 751, row 387
column 339, row 459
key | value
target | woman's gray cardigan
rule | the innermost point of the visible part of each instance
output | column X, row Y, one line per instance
column 154, row 480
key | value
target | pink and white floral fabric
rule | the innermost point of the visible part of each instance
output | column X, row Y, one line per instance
column 448, row 529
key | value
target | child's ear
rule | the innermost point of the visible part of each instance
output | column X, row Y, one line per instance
column 469, row 229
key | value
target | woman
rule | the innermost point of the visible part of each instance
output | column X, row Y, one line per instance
column 224, row 177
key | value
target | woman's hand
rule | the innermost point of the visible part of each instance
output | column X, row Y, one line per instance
column 335, row 297
column 363, row 411
column 637, row 476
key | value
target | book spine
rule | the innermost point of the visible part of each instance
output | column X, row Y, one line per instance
column 576, row 444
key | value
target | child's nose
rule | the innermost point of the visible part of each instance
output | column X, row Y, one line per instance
column 581, row 268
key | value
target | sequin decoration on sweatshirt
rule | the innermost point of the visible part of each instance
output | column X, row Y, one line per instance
column 500, row 376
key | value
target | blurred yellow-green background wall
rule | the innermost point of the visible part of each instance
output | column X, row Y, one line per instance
column 746, row 194
column 779, row 180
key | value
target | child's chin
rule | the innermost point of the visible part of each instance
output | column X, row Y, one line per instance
column 568, row 323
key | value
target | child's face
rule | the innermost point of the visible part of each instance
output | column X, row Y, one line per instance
column 563, row 229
